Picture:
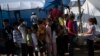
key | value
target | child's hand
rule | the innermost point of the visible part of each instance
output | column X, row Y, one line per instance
column 80, row 34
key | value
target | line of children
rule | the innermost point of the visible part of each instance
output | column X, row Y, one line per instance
column 38, row 40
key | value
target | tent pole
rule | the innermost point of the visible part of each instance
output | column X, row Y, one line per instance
column 1, row 16
column 8, row 12
column 80, row 19
column 1, row 13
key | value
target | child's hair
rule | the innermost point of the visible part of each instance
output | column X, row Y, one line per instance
column 21, row 20
column 72, row 17
column 15, row 23
column 93, row 20
column 6, row 20
column 35, row 27
column 40, row 22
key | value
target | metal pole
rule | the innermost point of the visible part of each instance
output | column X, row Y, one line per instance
column 8, row 11
column 80, row 19
column 9, row 14
column 1, row 12
column 1, row 17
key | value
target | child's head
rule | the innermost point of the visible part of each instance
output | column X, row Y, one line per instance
column 47, row 21
column 29, row 30
column 5, row 22
column 15, row 24
column 41, row 23
column 72, row 17
column 20, row 21
column 92, row 21
column 95, row 20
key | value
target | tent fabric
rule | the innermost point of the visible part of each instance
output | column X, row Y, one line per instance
column 50, row 2
column 21, row 4
column 90, row 9
column 26, row 4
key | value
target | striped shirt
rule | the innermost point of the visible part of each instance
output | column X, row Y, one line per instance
column 17, row 36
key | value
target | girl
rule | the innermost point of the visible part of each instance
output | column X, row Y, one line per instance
column 90, row 34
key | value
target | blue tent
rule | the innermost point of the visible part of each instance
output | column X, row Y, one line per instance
column 19, row 7
column 51, row 3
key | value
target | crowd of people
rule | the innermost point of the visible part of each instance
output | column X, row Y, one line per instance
column 53, row 36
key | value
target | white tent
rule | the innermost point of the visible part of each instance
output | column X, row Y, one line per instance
column 21, row 4
column 91, row 8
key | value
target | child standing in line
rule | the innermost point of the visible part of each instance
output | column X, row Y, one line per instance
column 17, row 38
column 41, row 35
column 49, row 38
column 35, row 40
column 29, row 41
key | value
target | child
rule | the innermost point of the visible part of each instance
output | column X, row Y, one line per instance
column 17, row 38
column 90, row 34
column 41, row 34
column 35, row 41
column 7, row 31
column 59, row 41
column 71, row 34
column 22, row 29
column 48, row 38
column 29, row 41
